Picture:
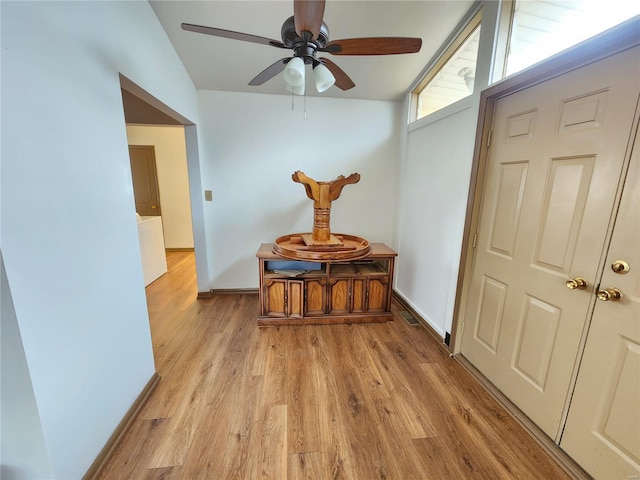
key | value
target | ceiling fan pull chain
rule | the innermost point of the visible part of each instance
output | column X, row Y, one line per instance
column 304, row 100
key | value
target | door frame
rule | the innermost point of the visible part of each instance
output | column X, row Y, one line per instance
column 193, row 172
column 609, row 43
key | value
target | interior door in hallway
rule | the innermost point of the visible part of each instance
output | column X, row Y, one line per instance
column 553, row 170
column 603, row 427
column 145, row 180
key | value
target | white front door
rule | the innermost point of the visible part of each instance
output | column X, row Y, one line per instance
column 602, row 432
column 554, row 166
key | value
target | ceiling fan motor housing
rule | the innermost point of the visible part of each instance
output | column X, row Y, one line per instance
column 303, row 49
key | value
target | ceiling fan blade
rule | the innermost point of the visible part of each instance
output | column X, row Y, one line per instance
column 270, row 72
column 245, row 37
column 343, row 81
column 373, row 46
column 307, row 15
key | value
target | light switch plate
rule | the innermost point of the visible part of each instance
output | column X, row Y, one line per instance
column 208, row 196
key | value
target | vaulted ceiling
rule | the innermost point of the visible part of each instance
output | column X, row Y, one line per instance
column 216, row 63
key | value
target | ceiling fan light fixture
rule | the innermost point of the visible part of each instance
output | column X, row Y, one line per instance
column 294, row 72
column 296, row 90
column 323, row 77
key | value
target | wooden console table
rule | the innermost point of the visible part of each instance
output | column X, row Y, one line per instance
column 356, row 291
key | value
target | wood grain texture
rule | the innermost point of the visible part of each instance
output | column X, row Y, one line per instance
column 121, row 430
column 367, row 401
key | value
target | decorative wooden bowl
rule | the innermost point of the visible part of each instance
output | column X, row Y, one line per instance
column 294, row 247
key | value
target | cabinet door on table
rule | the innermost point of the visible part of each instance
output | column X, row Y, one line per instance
column 294, row 297
column 369, row 295
column 377, row 294
column 359, row 295
column 339, row 296
column 315, row 297
column 283, row 298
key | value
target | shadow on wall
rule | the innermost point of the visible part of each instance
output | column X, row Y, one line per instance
column 21, row 432
column 294, row 215
column 234, row 272
column 226, row 279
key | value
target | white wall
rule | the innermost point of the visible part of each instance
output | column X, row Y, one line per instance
column 69, row 238
column 252, row 144
column 173, row 180
column 433, row 188
column 25, row 456
column 433, row 200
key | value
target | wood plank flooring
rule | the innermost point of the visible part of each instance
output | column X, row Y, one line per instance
column 361, row 402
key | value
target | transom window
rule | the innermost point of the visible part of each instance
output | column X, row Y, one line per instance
column 453, row 75
column 530, row 31
column 540, row 29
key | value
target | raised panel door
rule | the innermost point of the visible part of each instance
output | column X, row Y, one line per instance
column 553, row 170
column 145, row 180
column 602, row 432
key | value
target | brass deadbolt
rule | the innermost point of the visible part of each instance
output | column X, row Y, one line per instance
column 620, row 266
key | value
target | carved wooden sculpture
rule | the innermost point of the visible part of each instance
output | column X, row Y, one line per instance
column 322, row 194
column 321, row 245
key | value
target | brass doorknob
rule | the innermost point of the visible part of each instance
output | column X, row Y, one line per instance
column 577, row 283
column 609, row 294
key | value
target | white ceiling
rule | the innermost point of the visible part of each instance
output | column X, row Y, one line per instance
column 216, row 63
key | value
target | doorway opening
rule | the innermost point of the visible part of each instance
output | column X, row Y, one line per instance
column 185, row 211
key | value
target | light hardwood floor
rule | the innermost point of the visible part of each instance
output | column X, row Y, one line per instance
column 376, row 401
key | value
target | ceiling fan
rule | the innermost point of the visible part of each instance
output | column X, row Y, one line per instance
column 306, row 34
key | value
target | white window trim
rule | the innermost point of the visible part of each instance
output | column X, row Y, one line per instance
column 448, row 111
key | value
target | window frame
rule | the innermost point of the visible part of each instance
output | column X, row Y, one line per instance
column 469, row 24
